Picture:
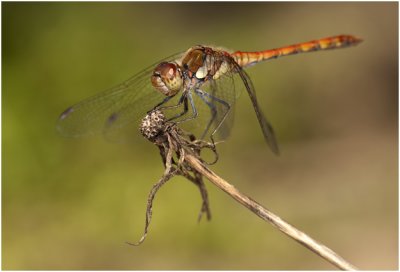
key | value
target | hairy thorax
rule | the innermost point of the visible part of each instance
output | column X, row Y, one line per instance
column 203, row 63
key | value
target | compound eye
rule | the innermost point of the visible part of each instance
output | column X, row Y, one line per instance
column 167, row 78
column 166, row 70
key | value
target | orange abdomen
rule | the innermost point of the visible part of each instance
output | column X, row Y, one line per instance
column 248, row 58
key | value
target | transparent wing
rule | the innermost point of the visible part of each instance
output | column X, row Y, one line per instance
column 266, row 127
column 222, row 97
column 111, row 111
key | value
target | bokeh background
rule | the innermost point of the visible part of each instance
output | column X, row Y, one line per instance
column 72, row 204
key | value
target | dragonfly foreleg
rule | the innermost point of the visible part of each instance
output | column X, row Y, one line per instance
column 183, row 100
column 165, row 100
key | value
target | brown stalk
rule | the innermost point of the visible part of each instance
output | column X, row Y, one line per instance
column 173, row 141
column 269, row 216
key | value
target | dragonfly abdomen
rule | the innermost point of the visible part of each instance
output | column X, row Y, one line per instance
column 250, row 58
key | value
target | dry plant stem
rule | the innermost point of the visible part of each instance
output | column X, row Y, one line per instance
column 153, row 192
column 167, row 148
column 266, row 215
column 168, row 174
column 198, row 181
column 171, row 140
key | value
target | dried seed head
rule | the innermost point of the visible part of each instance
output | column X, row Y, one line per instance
column 152, row 124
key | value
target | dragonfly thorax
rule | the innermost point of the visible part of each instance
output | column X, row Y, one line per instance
column 167, row 78
column 203, row 63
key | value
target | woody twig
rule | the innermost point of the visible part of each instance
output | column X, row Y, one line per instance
column 172, row 141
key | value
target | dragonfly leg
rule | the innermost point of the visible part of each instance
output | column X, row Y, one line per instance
column 213, row 112
column 195, row 114
column 222, row 102
column 165, row 100
column 183, row 100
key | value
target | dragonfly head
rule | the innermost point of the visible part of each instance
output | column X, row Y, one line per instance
column 167, row 78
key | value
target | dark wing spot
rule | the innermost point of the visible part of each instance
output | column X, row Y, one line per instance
column 113, row 117
column 66, row 113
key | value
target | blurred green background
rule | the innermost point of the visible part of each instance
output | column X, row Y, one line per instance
column 72, row 203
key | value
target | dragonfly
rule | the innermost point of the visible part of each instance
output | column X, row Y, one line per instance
column 198, row 87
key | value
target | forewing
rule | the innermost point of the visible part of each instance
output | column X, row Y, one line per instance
column 113, row 109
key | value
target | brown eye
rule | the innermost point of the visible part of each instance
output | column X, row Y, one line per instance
column 167, row 78
column 165, row 70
